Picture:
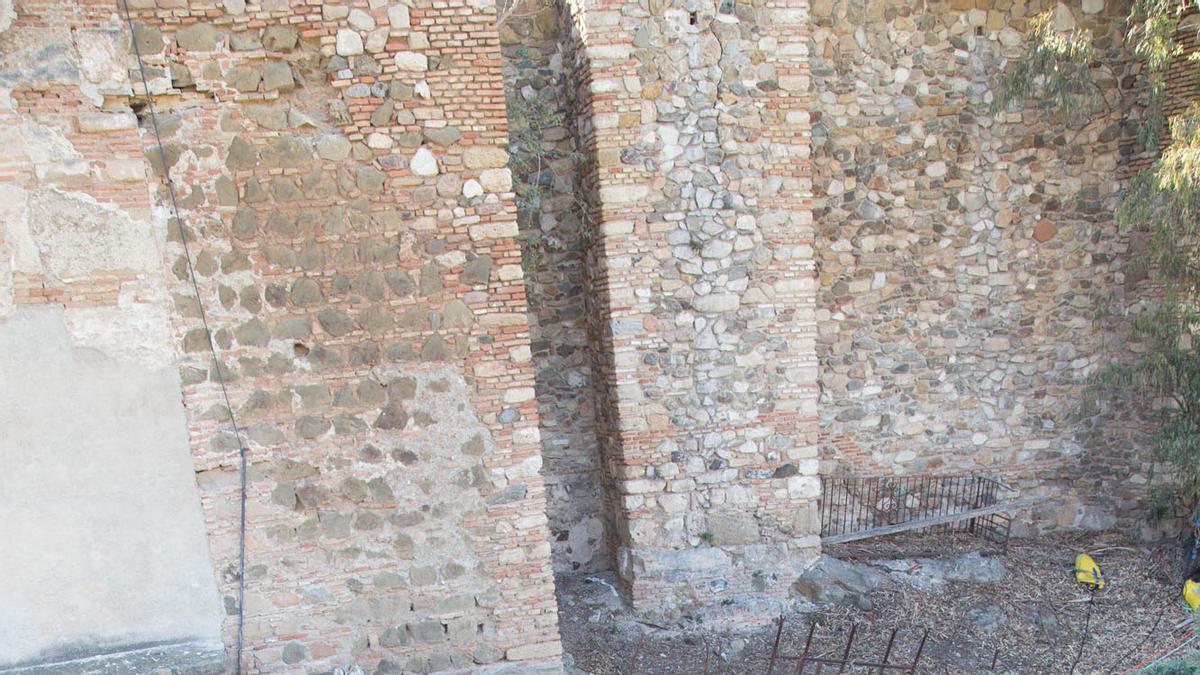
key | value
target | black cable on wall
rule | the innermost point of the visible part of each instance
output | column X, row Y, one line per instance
column 166, row 170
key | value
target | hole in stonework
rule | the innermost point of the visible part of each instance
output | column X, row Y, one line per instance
column 979, row 30
column 138, row 108
column 692, row 18
column 300, row 350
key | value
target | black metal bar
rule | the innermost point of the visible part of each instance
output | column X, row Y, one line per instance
column 917, row 656
column 866, row 504
column 843, row 502
column 898, row 500
column 821, row 503
column 920, row 495
column 826, row 499
column 850, row 505
column 944, row 497
column 807, row 643
column 887, row 495
column 838, row 487
column 887, row 652
column 912, row 496
column 845, row 506
column 871, row 489
column 874, row 502
column 912, row 504
column 959, row 497
column 833, row 506
column 930, row 506
column 975, row 504
column 834, row 490
column 775, row 647
column 829, row 503
column 849, row 642
column 826, row 486
column 927, row 507
column 995, row 657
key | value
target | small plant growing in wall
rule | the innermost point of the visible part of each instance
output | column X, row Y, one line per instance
column 530, row 157
column 529, row 117
column 707, row 538
column 1161, row 205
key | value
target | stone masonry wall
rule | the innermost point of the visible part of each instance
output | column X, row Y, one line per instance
column 356, row 234
column 105, row 550
column 342, row 178
column 554, row 234
column 694, row 119
column 965, row 256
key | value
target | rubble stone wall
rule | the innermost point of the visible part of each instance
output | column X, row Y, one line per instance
column 342, row 178
column 693, row 118
column 966, row 256
column 723, row 247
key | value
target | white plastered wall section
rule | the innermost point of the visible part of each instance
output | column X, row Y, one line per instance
column 104, row 550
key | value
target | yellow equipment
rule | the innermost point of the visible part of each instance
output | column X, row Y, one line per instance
column 1191, row 591
column 1087, row 572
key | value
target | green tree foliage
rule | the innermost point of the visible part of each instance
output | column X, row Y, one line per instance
column 1161, row 205
column 1056, row 72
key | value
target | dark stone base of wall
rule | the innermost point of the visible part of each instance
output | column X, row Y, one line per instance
column 179, row 658
column 734, row 584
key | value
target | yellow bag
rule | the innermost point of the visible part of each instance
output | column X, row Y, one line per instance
column 1088, row 572
column 1191, row 594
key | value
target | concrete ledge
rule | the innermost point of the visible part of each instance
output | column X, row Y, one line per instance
column 179, row 658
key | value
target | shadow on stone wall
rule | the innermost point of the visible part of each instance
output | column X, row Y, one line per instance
column 547, row 165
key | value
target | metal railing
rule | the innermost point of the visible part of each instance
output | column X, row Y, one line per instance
column 832, row 659
column 857, row 507
column 814, row 651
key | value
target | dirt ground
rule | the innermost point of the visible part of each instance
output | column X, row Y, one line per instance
column 1036, row 620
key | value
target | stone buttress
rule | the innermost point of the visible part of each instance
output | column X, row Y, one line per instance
column 695, row 119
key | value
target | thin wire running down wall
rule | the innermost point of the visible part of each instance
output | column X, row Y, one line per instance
column 859, row 507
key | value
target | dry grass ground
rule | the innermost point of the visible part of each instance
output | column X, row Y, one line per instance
column 1034, row 621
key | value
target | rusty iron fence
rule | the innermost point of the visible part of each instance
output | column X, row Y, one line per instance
column 858, row 507
column 837, row 661
column 815, row 654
